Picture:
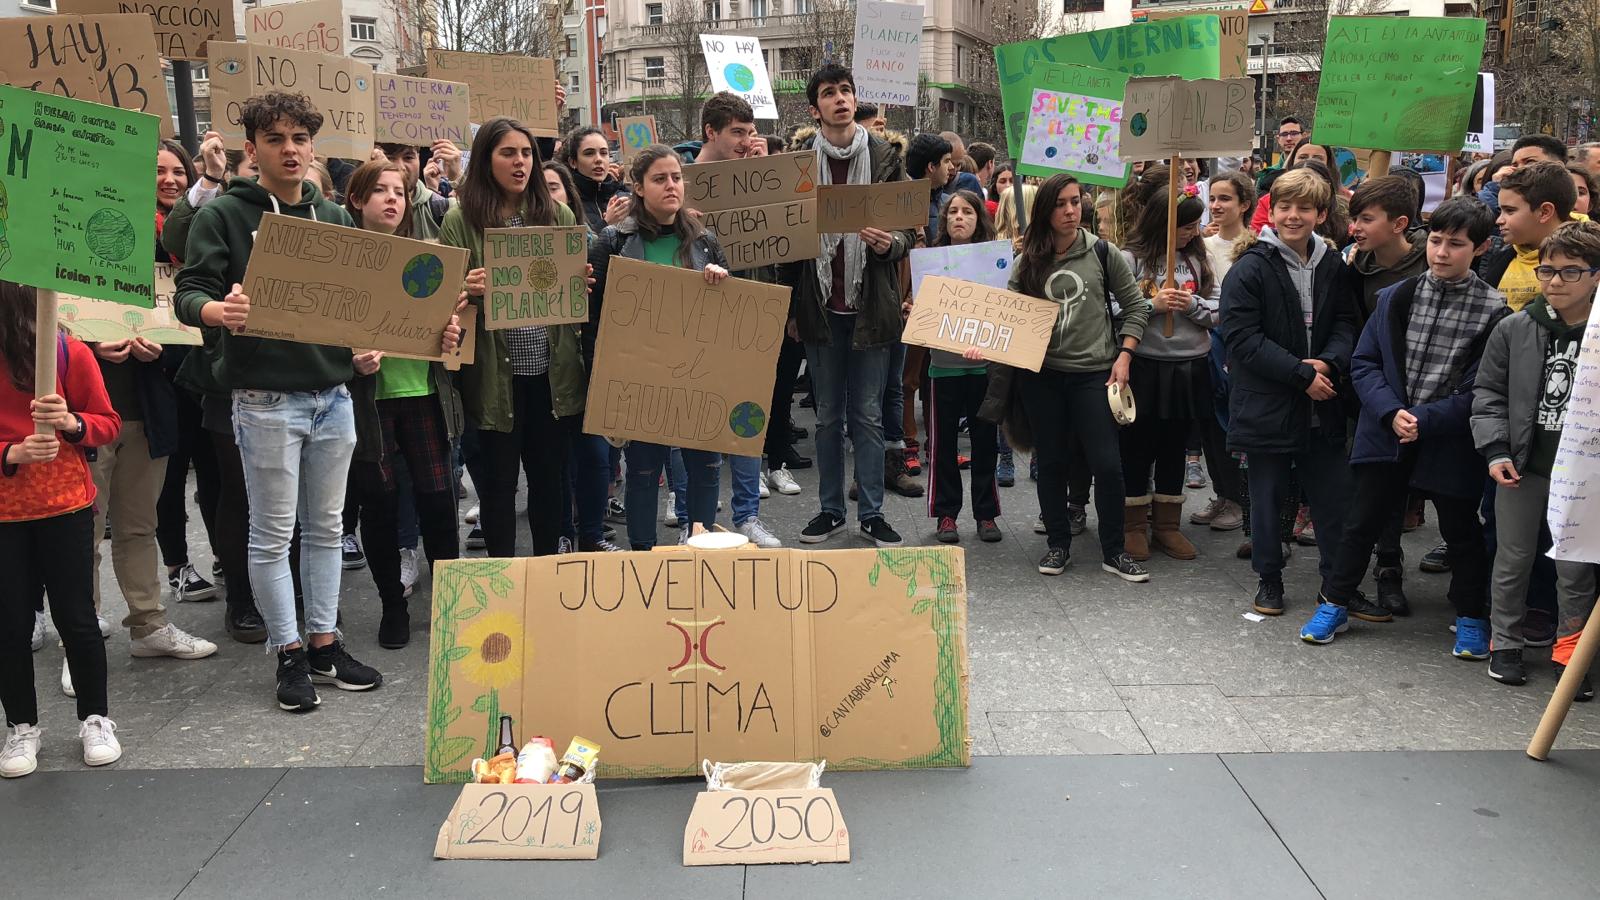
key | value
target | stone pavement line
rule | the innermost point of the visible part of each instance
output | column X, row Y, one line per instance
column 1268, row 822
column 224, row 842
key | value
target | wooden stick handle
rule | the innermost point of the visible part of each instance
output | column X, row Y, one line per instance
column 1556, row 711
column 1174, row 187
column 1378, row 163
column 44, row 350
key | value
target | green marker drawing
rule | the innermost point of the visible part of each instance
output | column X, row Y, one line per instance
column 109, row 235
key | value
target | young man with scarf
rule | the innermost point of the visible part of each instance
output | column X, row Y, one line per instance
column 846, row 309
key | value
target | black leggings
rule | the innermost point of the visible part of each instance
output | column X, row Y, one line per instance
column 536, row 444
column 1152, row 443
column 172, row 516
column 54, row 555
column 1063, row 407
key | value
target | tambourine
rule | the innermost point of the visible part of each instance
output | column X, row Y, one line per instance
column 1122, row 406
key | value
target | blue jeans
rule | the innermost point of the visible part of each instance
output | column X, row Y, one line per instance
column 296, row 448
column 745, row 474
column 590, row 477
column 894, row 399
column 645, row 464
column 842, row 374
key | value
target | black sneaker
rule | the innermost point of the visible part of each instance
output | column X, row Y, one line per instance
column 187, row 584
column 216, row 573
column 1367, row 611
column 350, row 553
column 475, row 539
column 1538, row 627
column 334, row 665
column 1505, row 666
column 615, row 511
column 1054, row 561
column 1125, row 568
column 394, row 629
column 601, row 546
column 878, row 532
column 821, row 527
column 791, row 459
column 1269, row 598
column 1436, row 560
column 245, row 625
column 295, row 693
column 1077, row 518
column 1585, row 687
column 1392, row 591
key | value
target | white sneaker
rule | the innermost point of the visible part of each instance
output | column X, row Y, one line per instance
column 759, row 535
column 669, row 511
column 105, row 627
column 471, row 518
column 408, row 570
column 38, row 631
column 20, row 755
column 100, row 746
column 170, row 640
column 765, row 491
column 66, row 680
column 782, row 481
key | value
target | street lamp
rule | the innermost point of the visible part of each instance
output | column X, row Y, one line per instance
column 1266, row 63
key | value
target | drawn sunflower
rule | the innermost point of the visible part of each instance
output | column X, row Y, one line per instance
column 494, row 650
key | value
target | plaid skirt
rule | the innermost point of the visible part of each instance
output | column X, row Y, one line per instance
column 414, row 426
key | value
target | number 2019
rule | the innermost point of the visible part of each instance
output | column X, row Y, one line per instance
column 510, row 832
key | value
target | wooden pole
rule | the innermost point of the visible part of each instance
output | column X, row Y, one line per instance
column 1378, row 163
column 1450, row 170
column 44, row 350
column 1174, row 186
column 1016, row 201
column 1556, row 711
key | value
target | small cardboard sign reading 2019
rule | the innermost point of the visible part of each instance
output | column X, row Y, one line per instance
column 536, row 276
column 521, row 821
column 766, row 826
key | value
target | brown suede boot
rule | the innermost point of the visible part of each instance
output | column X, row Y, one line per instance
column 1136, row 527
column 1168, row 512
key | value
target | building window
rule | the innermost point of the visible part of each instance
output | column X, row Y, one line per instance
column 713, row 10
column 40, row 4
column 363, row 29
column 1073, row 7
column 572, row 44
column 804, row 7
column 655, row 67
column 653, row 14
column 758, row 9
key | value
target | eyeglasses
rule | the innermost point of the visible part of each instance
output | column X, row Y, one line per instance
column 1283, row 134
column 1569, row 274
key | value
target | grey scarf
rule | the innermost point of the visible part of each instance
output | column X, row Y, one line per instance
column 855, row 252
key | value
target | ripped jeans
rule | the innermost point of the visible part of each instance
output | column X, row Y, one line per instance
column 646, row 462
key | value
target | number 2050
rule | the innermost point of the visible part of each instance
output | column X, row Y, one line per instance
column 762, row 815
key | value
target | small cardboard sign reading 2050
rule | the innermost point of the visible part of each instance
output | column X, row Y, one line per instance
column 768, row 826
column 522, row 821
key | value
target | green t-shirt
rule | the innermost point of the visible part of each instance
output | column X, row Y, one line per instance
column 662, row 250
column 403, row 378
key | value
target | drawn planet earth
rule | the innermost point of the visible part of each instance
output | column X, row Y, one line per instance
column 747, row 419
column 739, row 76
column 541, row 274
column 1138, row 125
column 422, row 276
column 109, row 235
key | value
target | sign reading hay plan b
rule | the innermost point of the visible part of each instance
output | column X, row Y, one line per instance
column 1011, row 328
column 683, row 363
column 327, row 284
column 1398, row 83
column 736, row 65
column 537, row 276
column 1165, row 117
column 888, row 51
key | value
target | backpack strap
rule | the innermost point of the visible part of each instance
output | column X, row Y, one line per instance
column 1102, row 252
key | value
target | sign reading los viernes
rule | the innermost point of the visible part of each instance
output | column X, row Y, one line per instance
column 521, row 87
column 536, row 276
column 858, row 657
column 340, row 88
column 683, row 363
column 1165, row 117
column 888, row 51
column 1074, row 125
column 182, row 27
column 736, row 65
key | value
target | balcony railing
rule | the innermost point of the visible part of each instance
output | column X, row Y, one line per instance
column 750, row 26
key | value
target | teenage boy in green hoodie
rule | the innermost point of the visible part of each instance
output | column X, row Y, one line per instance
column 291, row 410
column 1524, row 382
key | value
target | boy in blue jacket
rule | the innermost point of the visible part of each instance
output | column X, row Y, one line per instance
column 1413, row 371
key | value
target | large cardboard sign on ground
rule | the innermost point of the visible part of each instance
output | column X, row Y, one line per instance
column 1398, row 83
column 1074, row 125
column 762, row 209
column 340, row 88
column 182, row 27
column 419, row 111
column 1011, row 328
column 858, row 657
column 343, row 287
column 736, row 64
column 315, row 26
column 889, row 205
column 1165, row 117
column 1574, row 507
column 101, row 320
column 110, row 59
column 522, row 821
column 537, row 276
column 522, row 87
column 888, row 51
column 76, row 197
column 683, row 363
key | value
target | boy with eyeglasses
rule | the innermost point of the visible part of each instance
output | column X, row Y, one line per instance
column 1524, row 382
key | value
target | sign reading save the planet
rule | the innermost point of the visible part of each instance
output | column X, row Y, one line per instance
column 1074, row 123
column 76, row 197
column 736, row 65
column 317, row 283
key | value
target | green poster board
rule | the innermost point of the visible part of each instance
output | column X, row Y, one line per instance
column 1398, row 83
column 78, row 197
column 1186, row 47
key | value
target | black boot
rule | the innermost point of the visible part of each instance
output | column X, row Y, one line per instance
column 243, row 623
column 394, row 630
column 1391, row 590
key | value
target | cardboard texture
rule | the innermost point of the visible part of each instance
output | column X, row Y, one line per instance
column 522, row 821
column 110, row 59
column 736, row 64
column 763, row 235
column 1014, row 329
column 858, row 657
column 522, row 87
column 1233, row 49
column 683, row 363
column 890, row 205
column 128, row 65
column 340, row 88
column 728, row 828
column 537, row 276
column 888, row 51
column 419, row 111
column 315, row 26
column 634, row 133
column 101, row 320
column 1398, row 83
column 77, row 196
column 182, row 27
column 343, row 287
column 1166, row 117
column 753, row 181
column 463, row 355
column 1074, row 125
column 46, row 54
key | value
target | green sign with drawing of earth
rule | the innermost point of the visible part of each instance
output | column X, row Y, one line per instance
column 77, row 197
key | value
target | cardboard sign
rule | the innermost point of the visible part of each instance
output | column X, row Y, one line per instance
column 1011, row 328
column 1573, row 511
column 101, row 320
column 1480, row 124
column 634, row 133
column 889, row 205
column 76, row 197
column 737, row 65
column 757, row 236
column 419, row 111
column 888, row 51
column 1166, row 117
column 988, row 263
column 684, row 363
column 1074, row 125
column 463, row 355
column 340, row 88
column 537, row 276
column 1233, row 50
column 1187, row 46
column 127, row 65
column 752, row 181
column 182, row 27
column 858, row 657
column 522, row 87
column 729, row 828
column 46, row 54
column 344, row 287
column 314, row 26
column 1398, row 83
column 522, row 821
